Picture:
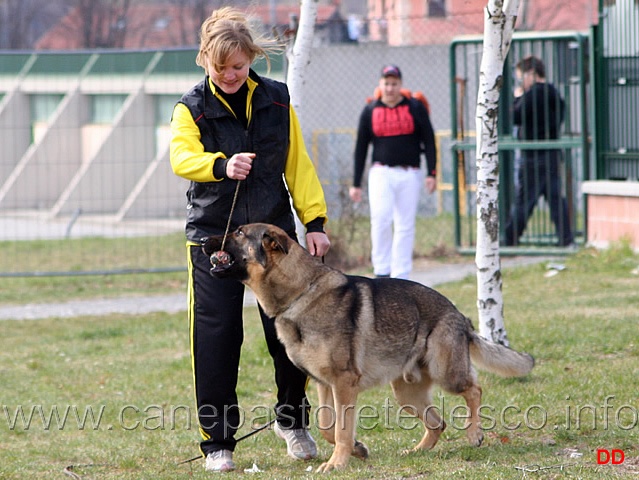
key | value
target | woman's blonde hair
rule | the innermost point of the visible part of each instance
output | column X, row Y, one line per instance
column 226, row 31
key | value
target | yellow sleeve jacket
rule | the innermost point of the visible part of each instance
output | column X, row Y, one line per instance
column 205, row 131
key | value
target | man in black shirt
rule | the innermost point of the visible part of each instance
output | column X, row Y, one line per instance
column 399, row 129
column 538, row 112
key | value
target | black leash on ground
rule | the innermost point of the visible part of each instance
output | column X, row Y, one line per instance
column 250, row 434
column 69, row 469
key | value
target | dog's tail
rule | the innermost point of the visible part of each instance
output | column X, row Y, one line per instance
column 499, row 359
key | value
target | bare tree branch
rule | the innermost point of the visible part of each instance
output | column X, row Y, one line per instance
column 23, row 21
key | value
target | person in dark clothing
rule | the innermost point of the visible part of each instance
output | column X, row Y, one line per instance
column 538, row 114
column 399, row 129
column 236, row 137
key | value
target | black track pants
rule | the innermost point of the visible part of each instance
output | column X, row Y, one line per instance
column 216, row 330
column 539, row 175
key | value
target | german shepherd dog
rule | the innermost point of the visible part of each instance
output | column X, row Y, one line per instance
column 350, row 333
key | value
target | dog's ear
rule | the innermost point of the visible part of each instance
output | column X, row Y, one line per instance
column 275, row 240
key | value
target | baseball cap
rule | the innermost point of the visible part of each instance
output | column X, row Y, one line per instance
column 391, row 71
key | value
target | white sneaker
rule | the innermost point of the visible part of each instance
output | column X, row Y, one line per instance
column 219, row 461
column 299, row 443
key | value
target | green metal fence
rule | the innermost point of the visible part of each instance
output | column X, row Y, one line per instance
column 616, row 63
column 566, row 57
column 85, row 175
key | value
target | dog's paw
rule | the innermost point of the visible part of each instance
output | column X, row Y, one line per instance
column 338, row 461
column 360, row 450
column 475, row 436
column 330, row 467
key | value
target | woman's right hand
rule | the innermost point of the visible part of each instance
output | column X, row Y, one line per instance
column 239, row 165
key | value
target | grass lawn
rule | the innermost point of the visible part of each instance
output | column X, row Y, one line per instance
column 166, row 253
column 113, row 396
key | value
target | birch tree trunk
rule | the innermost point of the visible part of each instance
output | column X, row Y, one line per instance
column 499, row 24
column 299, row 56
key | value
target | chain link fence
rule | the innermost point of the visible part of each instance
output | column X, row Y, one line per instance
column 85, row 177
column 86, row 156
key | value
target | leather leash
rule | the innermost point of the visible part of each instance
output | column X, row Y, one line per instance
column 251, row 433
column 228, row 223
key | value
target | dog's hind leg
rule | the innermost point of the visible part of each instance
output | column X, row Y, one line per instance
column 452, row 370
column 416, row 398
column 474, row 433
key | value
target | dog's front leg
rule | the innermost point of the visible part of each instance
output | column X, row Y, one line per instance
column 326, row 412
column 326, row 419
column 344, row 399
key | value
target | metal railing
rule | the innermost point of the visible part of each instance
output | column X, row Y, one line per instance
column 565, row 55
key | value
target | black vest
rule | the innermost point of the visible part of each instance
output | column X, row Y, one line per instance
column 263, row 196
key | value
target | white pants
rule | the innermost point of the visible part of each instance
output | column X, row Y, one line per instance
column 393, row 195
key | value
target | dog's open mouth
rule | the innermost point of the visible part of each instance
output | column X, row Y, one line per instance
column 221, row 261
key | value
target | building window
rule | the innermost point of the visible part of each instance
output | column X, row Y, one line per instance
column 436, row 8
column 104, row 108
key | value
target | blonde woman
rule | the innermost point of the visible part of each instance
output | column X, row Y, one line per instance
column 236, row 137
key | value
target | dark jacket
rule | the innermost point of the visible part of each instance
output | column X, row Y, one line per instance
column 263, row 196
column 539, row 113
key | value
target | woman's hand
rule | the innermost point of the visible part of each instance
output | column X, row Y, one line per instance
column 239, row 165
column 317, row 243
